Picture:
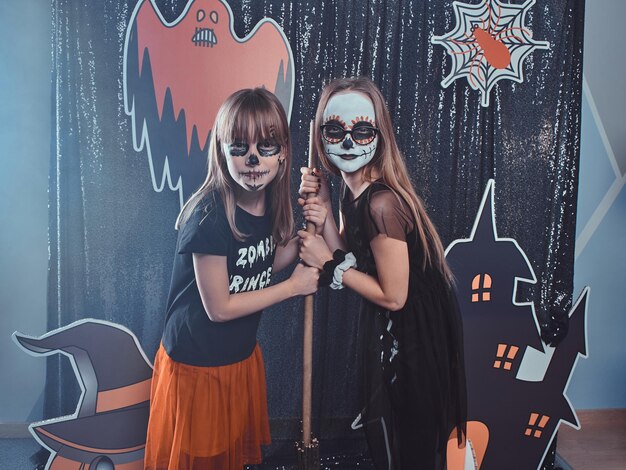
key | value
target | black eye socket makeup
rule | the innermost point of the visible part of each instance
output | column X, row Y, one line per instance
column 266, row 148
column 238, row 149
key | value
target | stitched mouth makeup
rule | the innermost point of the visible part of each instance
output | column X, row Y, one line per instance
column 254, row 175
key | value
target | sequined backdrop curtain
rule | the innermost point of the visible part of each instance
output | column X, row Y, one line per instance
column 112, row 236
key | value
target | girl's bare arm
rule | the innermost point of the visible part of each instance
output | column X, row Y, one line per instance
column 389, row 290
column 285, row 255
column 220, row 305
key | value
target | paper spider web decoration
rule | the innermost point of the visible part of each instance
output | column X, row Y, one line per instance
column 488, row 44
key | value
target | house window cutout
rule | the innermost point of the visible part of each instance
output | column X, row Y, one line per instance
column 536, row 425
column 505, row 356
column 481, row 288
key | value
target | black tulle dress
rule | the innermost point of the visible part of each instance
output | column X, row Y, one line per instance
column 414, row 391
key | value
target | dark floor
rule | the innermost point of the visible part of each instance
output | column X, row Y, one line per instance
column 15, row 454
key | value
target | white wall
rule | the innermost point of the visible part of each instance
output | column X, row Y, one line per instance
column 25, row 109
column 600, row 380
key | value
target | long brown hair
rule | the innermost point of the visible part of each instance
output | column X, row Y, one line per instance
column 251, row 115
column 388, row 162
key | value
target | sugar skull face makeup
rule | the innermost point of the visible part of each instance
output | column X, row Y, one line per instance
column 349, row 131
column 253, row 166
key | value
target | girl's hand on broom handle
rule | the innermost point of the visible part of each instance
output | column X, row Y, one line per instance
column 313, row 250
column 304, row 280
column 314, row 182
column 314, row 211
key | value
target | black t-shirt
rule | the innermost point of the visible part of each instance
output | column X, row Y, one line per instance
column 190, row 336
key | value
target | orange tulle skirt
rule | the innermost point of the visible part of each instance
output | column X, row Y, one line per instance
column 209, row 418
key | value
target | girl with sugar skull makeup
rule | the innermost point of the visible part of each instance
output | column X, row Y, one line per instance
column 410, row 327
column 208, row 405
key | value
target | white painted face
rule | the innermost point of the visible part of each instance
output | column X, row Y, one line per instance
column 349, row 111
column 253, row 166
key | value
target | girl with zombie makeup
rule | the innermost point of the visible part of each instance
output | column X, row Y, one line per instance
column 208, row 405
column 388, row 251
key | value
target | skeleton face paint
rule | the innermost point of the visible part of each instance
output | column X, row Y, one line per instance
column 349, row 131
column 246, row 168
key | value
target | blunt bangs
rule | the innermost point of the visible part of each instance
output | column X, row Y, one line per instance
column 253, row 115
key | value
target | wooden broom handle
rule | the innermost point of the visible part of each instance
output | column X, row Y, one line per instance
column 307, row 349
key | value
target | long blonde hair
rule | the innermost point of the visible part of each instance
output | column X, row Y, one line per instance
column 250, row 115
column 388, row 162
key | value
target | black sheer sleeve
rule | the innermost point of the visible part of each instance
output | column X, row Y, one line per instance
column 389, row 216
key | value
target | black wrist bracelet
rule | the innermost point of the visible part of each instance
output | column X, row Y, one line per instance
column 326, row 275
column 339, row 255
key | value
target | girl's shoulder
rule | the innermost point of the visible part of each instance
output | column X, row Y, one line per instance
column 375, row 187
column 211, row 202
column 206, row 230
column 207, row 211
column 379, row 186
column 380, row 197
column 386, row 207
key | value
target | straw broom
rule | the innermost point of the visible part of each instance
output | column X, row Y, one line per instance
column 308, row 448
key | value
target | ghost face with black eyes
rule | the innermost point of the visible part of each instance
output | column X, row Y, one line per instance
column 204, row 34
column 253, row 166
column 349, row 132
